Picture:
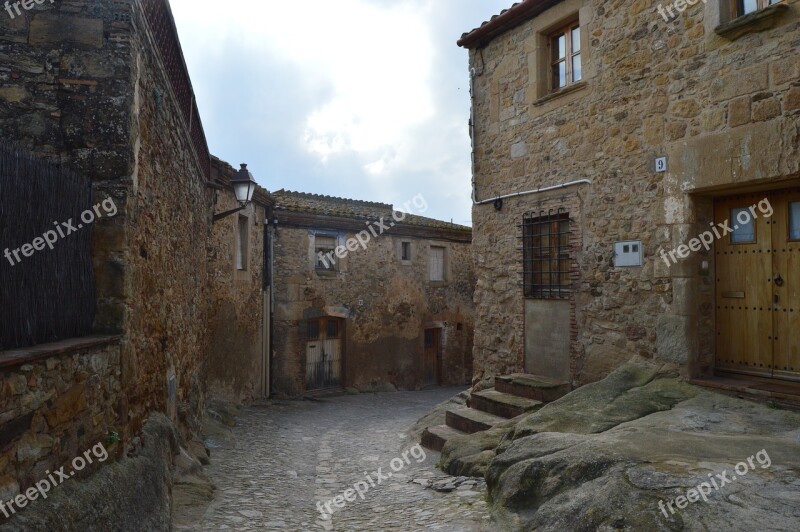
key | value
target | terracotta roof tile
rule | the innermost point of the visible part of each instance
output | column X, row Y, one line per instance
column 301, row 202
column 485, row 22
column 507, row 19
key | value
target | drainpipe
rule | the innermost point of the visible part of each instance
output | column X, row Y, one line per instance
column 272, row 235
column 498, row 200
column 268, row 303
column 472, row 75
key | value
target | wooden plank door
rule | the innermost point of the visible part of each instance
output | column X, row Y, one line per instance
column 332, row 348
column 743, row 287
column 431, row 357
column 324, row 354
column 786, row 283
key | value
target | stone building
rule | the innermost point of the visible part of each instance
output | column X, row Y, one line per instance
column 635, row 183
column 366, row 295
column 101, row 87
column 236, row 368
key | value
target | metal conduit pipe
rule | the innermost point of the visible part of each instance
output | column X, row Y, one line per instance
column 475, row 201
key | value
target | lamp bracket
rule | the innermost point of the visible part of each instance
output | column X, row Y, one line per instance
column 220, row 216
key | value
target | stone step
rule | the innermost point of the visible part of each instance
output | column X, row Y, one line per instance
column 532, row 387
column 503, row 404
column 470, row 420
column 434, row 438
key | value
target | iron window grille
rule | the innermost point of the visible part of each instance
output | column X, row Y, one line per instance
column 546, row 254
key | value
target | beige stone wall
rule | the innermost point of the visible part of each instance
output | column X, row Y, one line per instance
column 83, row 83
column 386, row 304
column 86, row 86
column 233, row 369
column 168, row 218
column 726, row 114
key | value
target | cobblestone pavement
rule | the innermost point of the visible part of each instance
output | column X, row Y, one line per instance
column 289, row 455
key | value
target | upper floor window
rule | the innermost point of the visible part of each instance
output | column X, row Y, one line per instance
column 546, row 255
column 565, row 56
column 745, row 7
column 242, row 243
column 405, row 251
column 437, row 263
column 324, row 251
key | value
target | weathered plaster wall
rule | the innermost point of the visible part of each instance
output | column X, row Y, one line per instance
column 725, row 112
column 385, row 333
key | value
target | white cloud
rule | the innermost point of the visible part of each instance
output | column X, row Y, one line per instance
column 359, row 98
column 374, row 57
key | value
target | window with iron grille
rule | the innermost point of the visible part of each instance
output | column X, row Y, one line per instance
column 546, row 254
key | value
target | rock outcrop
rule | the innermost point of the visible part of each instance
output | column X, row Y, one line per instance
column 640, row 450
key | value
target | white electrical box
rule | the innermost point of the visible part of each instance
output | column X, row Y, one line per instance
column 628, row 254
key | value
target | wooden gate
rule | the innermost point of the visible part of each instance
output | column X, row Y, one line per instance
column 324, row 353
column 758, row 284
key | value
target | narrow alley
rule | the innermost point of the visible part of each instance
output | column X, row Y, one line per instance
column 288, row 455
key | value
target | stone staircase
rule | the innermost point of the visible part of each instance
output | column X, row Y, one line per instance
column 512, row 396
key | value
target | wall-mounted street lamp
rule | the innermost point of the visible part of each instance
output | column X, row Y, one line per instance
column 243, row 188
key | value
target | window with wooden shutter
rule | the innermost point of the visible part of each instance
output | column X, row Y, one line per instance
column 437, row 263
column 324, row 247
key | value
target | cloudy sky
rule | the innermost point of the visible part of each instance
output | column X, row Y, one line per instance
column 365, row 99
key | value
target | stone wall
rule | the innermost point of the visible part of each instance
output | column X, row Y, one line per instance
column 85, row 83
column 387, row 306
column 724, row 111
column 233, row 370
column 165, row 269
column 131, row 493
column 63, row 400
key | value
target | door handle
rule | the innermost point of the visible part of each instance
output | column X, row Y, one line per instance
column 778, row 280
column 776, row 298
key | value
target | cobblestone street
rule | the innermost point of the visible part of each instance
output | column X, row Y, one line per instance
column 289, row 455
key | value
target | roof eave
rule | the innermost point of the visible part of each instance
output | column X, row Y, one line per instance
column 502, row 23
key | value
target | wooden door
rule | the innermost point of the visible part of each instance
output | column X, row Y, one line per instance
column 758, row 285
column 324, row 354
column 743, row 288
column 431, row 356
column 786, row 284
